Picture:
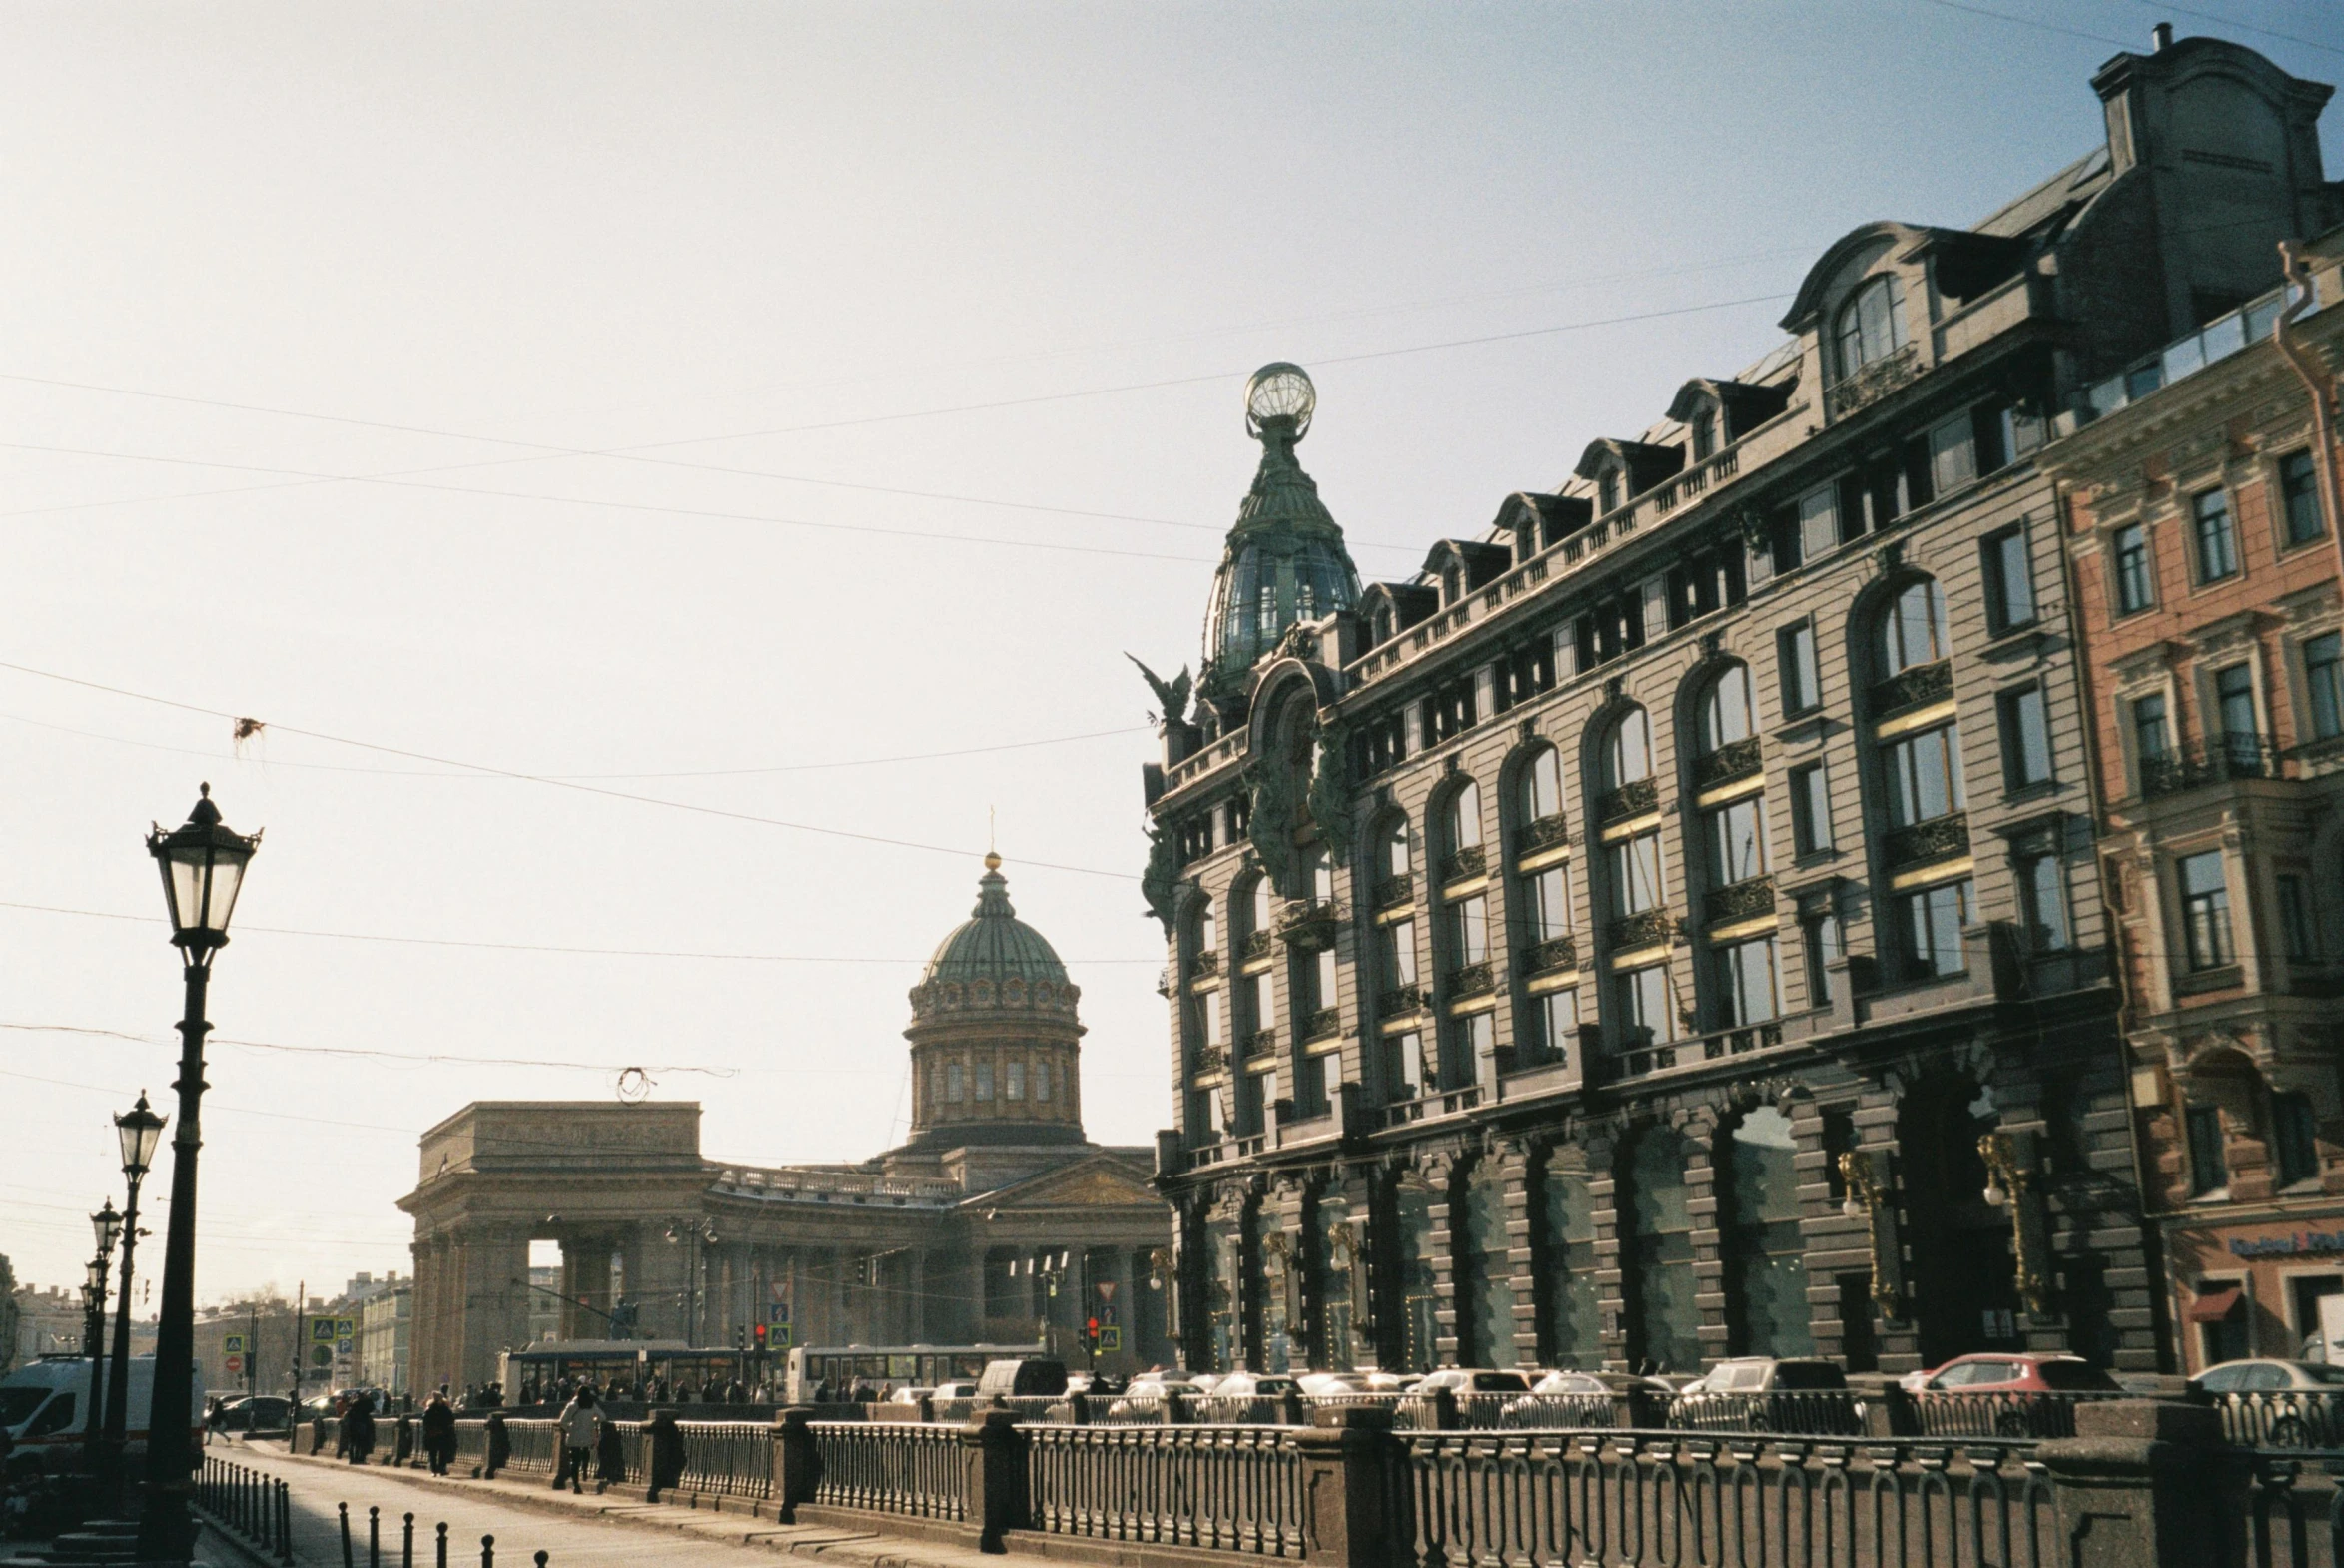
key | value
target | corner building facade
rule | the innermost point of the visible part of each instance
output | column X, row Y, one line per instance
column 1669, row 924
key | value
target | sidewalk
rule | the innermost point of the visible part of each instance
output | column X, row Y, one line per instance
column 733, row 1521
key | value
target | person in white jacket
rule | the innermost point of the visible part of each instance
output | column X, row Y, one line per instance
column 581, row 1425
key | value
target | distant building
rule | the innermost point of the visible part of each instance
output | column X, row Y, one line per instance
column 2202, row 524
column 996, row 1221
column 1670, row 924
column 385, row 1333
column 51, row 1322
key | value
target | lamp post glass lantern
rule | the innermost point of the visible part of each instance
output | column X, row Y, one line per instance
column 139, row 1130
column 203, row 863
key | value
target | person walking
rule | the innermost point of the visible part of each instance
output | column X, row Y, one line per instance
column 500, row 1443
column 667, row 1454
column 580, row 1424
column 357, row 1429
column 610, row 1457
column 439, row 1432
column 402, row 1441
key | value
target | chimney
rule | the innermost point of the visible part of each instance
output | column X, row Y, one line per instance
column 2160, row 37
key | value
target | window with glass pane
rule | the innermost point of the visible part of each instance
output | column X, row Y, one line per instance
column 2297, row 1127
column 2205, row 909
column 1471, row 1039
column 2323, row 682
column 1264, row 904
column 1469, row 928
column 2217, row 541
column 1542, row 785
column 2026, row 737
column 1399, row 953
column 1872, row 324
column 1040, row 1081
column 1405, row 1065
column 2136, row 587
column 1209, row 1015
column 1464, row 817
column 1645, row 1015
column 1925, row 776
column 1550, row 904
column 2010, row 579
column 2043, row 898
column 1914, row 630
column 1321, row 971
column 1255, row 1089
column 952, row 1082
column 2153, row 737
column 984, row 1081
column 1705, row 435
column 1737, row 842
column 1207, row 926
column 1724, row 709
column 2299, row 497
column 1953, row 455
column 1014, row 1080
column 1932, row 920
column 1819, row 524
column 1635, row 873
column 1558, row 1025
column 1263, row 1007
column 1821, row 932
column 1627, row 753
column 2209, row 1163
column 1811, row 809
column 2241, row 730
column 2295, row 918
column 1399, row 858
column 1746, row 983
column 1802, row 687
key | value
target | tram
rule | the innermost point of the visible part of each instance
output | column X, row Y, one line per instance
column 908, row 1366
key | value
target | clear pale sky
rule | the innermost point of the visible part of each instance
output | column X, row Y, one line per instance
column 778, row 239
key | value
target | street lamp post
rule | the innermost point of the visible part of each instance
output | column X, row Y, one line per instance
column 140, row 1129
column 203, row 865
column 106, row 1227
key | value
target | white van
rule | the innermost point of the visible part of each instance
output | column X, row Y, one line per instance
column 44, row 1408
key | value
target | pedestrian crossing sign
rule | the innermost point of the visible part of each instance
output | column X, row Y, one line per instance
column 232, row 1344
column 321, row 1330
column 1109, row 1337
column 778, row 1340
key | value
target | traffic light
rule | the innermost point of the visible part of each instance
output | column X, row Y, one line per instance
column 1091, row 1333
column 758, row 1333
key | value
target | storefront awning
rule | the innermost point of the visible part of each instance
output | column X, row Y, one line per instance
column 2212, row 1307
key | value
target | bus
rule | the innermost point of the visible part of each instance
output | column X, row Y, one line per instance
column 631, row 1362
column 906, row 1365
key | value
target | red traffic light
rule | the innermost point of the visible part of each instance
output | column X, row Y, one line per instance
column 760, row 1336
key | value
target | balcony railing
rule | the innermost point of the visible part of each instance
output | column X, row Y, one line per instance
column 1472, row 980
column 1260, row 1042
column 1544, row 834
column 1310, row 923
column 1207, row 964
column 1212, row 1059
column 1736, row 760
column 1643, row 929
column 1467, row 862
column 2316, row 751
column 1555, row 953
column 1258, row 943
column 1393, row 892
column 2220, row 338
column 1739, row 901
column 1324, row 1022
column 1872, row 382
column 1916, row 687
column 1639, row 1055
column 2215, row 762
column 1399, row 1000
column 1635, row 798
column 1937, row 839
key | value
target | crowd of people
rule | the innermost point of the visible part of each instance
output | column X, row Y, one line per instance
column 592, row 1441
column 650, row 1390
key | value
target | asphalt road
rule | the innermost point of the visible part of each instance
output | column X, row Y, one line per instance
column 469, row 1510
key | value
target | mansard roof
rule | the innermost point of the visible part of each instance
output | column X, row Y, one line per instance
column 1556, row 515
column 1747, row 404
column 1647, row 465
column 1480, row 559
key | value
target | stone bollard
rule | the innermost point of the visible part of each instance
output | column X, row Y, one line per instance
column 1078, row 1410
column 1174, row 1407
column 927, row 1409
column 1889, row 1411
column 2149, row 1483
column 1290, row 1409
column 993, row 1477
column 1350, row 1515
column 1643, row 1409
column 797, row 1464
column 1444, row 1411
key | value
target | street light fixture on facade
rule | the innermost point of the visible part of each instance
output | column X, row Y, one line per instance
column 203, row 865
column 106, row 1228
column 139, row 1130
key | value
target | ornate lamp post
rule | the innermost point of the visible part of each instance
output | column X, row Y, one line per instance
column 106, row 1227
column 140, row 1129
column 203, row 865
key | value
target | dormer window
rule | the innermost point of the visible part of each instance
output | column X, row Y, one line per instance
column 1383, row 623
column 1607, row 490
column 1872, row 324
column 1453, row 587
column 1705, row 435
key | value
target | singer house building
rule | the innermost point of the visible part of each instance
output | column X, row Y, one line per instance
column 1669, row 924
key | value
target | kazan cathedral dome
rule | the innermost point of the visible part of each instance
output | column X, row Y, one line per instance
column 995, row 1053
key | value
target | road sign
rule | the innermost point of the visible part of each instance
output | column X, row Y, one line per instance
column 778, row 1312
column 232, row 1344
column 321, row 1330
column 234, row 1363
column 342, row 1348
column 780, row 1340
column 344, row 1327
column 1111, row 1338
column 1105, row 1289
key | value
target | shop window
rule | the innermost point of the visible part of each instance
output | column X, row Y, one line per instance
column 1765, row 1256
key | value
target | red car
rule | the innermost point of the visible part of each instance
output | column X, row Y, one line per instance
column 1995, row 1393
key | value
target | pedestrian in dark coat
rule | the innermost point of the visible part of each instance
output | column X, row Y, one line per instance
column 610, row 1457
column 500, row 1443
column 357, row 1429
column 402, row 1439
column 439, row 1433
column 667, row 1454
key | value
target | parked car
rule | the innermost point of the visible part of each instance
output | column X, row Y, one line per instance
column 2012, row 1372
column 1023, row 1377
column 1562, row 1398
column 253, row 1413
column 963, row 1389
column 1755, row 1393
column 2273, row 1404
column 1473, row 1380
column 2006, row 1394
column 1143, row 1395
column 909, row 1394
column 1326, row 1385
column 1254, row 1385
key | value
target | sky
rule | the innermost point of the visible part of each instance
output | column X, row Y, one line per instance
column 672, row 480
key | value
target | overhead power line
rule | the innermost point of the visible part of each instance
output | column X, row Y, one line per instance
column 575, row 785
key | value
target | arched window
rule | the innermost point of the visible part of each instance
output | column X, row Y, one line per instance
column 1662, row 1314
column 1486, row 1270
column 1395, row 853
column 1570, row 1317
column 1627, row 750
column 1726, row 714
column 1912, row 629
column 1462, row 819
column 1542, row 786
column 1207, row 926
column 1766, row 1260
column 1265, row 912
column 1383, row 623
column 1872, row 324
